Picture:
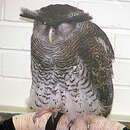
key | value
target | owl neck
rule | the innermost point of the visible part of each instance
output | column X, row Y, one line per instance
column 60, row 55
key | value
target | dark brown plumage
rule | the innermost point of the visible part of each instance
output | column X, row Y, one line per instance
column 71, row 62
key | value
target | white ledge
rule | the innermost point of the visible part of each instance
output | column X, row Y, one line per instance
column 16, row 24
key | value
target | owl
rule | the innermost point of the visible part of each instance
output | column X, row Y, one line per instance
column 71, row 63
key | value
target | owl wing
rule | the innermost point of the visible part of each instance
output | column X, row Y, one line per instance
column 97, row 54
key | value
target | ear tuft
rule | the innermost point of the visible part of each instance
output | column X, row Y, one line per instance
column 28, row 13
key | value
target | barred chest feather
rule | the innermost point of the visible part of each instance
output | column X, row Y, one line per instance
column 69, row 90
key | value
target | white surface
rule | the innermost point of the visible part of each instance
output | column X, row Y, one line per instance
column 0, row 63
column 108, row 13
column 14, row 92
column 15, row 37
column 15, row 79
column 122, row 43
column 121, row 101
column 16, row 64
column 0, row 9
column 122, row 72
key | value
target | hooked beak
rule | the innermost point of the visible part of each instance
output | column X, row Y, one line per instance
column 51, row 34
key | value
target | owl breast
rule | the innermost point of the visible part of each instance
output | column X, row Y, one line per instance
column 68, row 90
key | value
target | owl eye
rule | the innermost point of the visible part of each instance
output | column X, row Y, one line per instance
column 44, row 22
column 65, row 27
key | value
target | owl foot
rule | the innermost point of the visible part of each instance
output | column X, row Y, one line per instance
column 54, row 112
column 70, row 124
column 40, row 113
column 88, row 126
column 88, row 118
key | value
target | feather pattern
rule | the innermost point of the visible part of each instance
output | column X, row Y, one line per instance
column 73, row 74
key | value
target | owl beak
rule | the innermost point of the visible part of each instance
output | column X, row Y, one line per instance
column 51, row 34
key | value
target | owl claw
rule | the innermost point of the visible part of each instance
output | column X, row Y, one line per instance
column 54, row 112
column 36, row 115
column 70, row 124
column 54, row 115
column 88, row 126
column 40, row 113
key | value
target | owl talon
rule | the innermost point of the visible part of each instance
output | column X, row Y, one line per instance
column 88, row 126
column 35, row 117
column 54, row 112
column 39, row 114
column 70, row 124
column 54, row 115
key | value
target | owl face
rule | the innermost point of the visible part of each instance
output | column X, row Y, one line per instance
column 52, row 34
column 55, row 23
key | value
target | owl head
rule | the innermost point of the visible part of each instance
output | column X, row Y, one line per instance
column 55, row 23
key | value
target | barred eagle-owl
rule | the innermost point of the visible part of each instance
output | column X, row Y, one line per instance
column 71, row 62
